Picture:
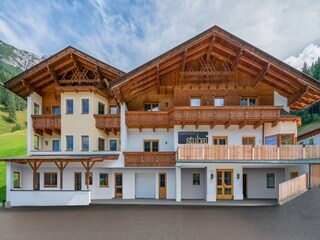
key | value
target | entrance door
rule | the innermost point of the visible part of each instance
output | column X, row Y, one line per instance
column 77, row 181
column 162, row 185
column 224, row 184
column 244, row 185
column 37, row 181
column 118, row 185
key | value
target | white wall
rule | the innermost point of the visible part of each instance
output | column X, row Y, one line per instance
column 316, row 140
column 282, row 127
column 31, row 100
column 280, row 100
column 301, row 169
column 257, row 182
column 188, row 190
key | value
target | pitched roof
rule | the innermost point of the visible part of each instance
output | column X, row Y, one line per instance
column 301, row 89
column 309, row 132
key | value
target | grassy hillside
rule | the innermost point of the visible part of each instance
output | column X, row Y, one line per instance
column 12, row 145
column 5, row 126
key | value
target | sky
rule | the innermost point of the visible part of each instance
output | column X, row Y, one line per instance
column 126, row 34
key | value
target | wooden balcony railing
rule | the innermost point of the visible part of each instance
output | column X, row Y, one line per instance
column 46, row 122
column 210, row 115
column 247, row 152
column 108, row 122
column 149, row 159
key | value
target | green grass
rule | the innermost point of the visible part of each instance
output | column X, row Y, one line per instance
column 309, row 125
column 5, row 126
column 11, row 145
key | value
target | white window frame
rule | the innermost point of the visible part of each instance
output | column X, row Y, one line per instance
column 65, row 106
column 84, row 135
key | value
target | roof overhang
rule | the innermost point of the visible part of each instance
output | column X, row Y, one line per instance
column 300, row 89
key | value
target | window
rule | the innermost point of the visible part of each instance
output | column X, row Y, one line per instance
column 36, row 142
column 219, row 102
column 271, row 140
column 311, row 141
column 151, row 145
column 248, row 101
column 249, row 141
column 69, row 106
column 220, row 140
column 101, row 108
column 196, row 179
column 56, row 110
column 101, row 144
column 85, row 106
column 270, row 180
column 16, row 179
column 89, row 177
column 195, row 102
column 104, row 182
column 69, row 140
column 280, row 139
column 85, row 143
column 151, row 107
column 113, row 145
column 50, row 179
column 55, row 145
column 113, row 110
column 36, row 109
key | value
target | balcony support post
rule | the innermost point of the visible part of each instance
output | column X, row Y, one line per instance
column 178, row 184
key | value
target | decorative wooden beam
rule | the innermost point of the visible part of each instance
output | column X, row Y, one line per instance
column 296, row 96
column 76, row 63
column 242, row 124
column 35, row 167
column 261, row 75
column 257, row 124
column 227, row 125
column 53, row 74
column 61, row 166
column 237, row 60
column 212, row 125
column 210, row 48
column 30, row 88
column 87, row 167
column 275, row 123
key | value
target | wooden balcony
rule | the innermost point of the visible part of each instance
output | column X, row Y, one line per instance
column 228, row 115
column 248, row 152
column 108, row 122
column 149, row 159
column 46, row 123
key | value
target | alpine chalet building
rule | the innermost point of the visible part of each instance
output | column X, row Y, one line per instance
column 211, row 119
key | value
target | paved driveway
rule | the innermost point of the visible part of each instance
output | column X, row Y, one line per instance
column 298, row 219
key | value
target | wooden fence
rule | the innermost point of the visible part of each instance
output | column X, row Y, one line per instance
column 292, row 187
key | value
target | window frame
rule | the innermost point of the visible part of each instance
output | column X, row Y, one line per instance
column 82, row 137
column 104, row 143
column 214, row 101
column 195, row 98
column 36, row 106
column 116, row 140
column 36, row 136
column 151, row 144
column 247, row 137
column 69, row 136
column 219, row 138
column 51, row 179
column 82, row 100
column 104, row 108
column 19, row 179
column 248, row 101
column 194, row 180
column 56, row 140
column 278, row 138
column 151, row 106
column 67, row 106
column 113, row 107
column 107, row 180
column 274, row 180
column 53, row 112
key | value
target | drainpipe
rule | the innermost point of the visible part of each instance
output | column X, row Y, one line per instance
column 309, row 176
column 262, row 134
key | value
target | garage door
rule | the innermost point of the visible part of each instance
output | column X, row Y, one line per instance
column 145, row 185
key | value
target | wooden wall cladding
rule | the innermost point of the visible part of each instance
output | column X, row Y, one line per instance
column 315, row 176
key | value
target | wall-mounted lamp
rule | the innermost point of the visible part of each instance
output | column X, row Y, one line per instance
column 212, row 176
column 238, row 176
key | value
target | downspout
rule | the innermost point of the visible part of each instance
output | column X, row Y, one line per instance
column 309, row 177
column 262, row 134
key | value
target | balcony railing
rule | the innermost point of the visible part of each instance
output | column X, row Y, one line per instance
column 108, row 122
column 210, row 115
column 47, row 122
column 149, row 159
column 247, row 152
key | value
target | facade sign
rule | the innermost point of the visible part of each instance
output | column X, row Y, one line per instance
column 192, row 137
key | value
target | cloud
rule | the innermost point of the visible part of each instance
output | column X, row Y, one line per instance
column 128, row 33
column 309, row 55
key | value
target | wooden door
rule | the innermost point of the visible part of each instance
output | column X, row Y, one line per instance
column 162, row 185
column 245, row 185
column 118, row 185
column 224, row 184
column 77, row 181
column 294, row 175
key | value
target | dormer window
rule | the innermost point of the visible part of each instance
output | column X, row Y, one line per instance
column 248, row 101
column 151, row 107
column 195, row 102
